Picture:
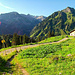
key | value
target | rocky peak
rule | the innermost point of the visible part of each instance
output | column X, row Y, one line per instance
column 68, row 9
column 41, row 18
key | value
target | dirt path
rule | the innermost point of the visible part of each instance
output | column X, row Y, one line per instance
column 21, row 68
column 24, row 47
column 8, row 64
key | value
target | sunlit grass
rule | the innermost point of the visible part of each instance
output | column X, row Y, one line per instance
column 61, row 61
column 54, row 39
column 13, row 69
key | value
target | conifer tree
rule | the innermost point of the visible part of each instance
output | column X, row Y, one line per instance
column 49, row 34
column 15, row 40
column 24, row 38
column 32, row 40
column 27, row 39
column 43, row 38
column 52, row 34
column 8, row 42
column 21, row 39
column 38, row 38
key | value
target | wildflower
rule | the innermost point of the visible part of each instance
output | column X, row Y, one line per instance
column 69, row 55
column 60, row 73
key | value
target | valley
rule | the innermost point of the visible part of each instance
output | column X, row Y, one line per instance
column 37, row 45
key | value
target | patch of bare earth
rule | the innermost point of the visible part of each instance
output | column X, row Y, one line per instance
column 21, row 68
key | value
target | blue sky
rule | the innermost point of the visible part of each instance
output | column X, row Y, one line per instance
column 35, row 7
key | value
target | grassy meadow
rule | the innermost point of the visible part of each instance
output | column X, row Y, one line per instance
column 4, row 69
column 52, row 59
column 54, row 39
column 17, row 46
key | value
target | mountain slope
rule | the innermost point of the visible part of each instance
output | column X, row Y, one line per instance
column 61, row 22
column 14, row 22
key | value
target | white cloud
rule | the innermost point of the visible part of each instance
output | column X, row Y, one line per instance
column 5, row 6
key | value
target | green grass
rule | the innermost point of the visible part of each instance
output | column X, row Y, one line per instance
column 3, row 61
column 53, row 39
column 17, row 46
column 4, row 69
column 39, row 52
column 50, row 59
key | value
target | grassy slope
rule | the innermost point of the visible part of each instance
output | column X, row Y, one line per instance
column 53, row 39
column 6, row 70
column 50, row 59
column 16, row 46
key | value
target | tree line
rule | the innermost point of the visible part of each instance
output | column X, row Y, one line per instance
column 15, row 39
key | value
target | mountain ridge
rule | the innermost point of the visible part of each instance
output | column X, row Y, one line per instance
column 13, row 22
column 61, row 22
column 69, row 9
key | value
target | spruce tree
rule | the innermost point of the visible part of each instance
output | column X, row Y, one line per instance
column 21, row 39
column 32, row 40
column 49, row 34
column 15, row 40
column 27, row 39
column 8, row 42
column 38, row 38
column 52, row 34
column 24, row 38
column 43, row 38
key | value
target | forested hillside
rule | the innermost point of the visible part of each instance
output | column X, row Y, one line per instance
column 60, row 22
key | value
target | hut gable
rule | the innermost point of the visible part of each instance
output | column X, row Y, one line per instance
column 72, row 33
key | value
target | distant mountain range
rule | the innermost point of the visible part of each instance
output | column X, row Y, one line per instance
column 14, row 22
column 61, row 22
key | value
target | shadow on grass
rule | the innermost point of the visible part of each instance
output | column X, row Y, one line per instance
column 3, row 68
